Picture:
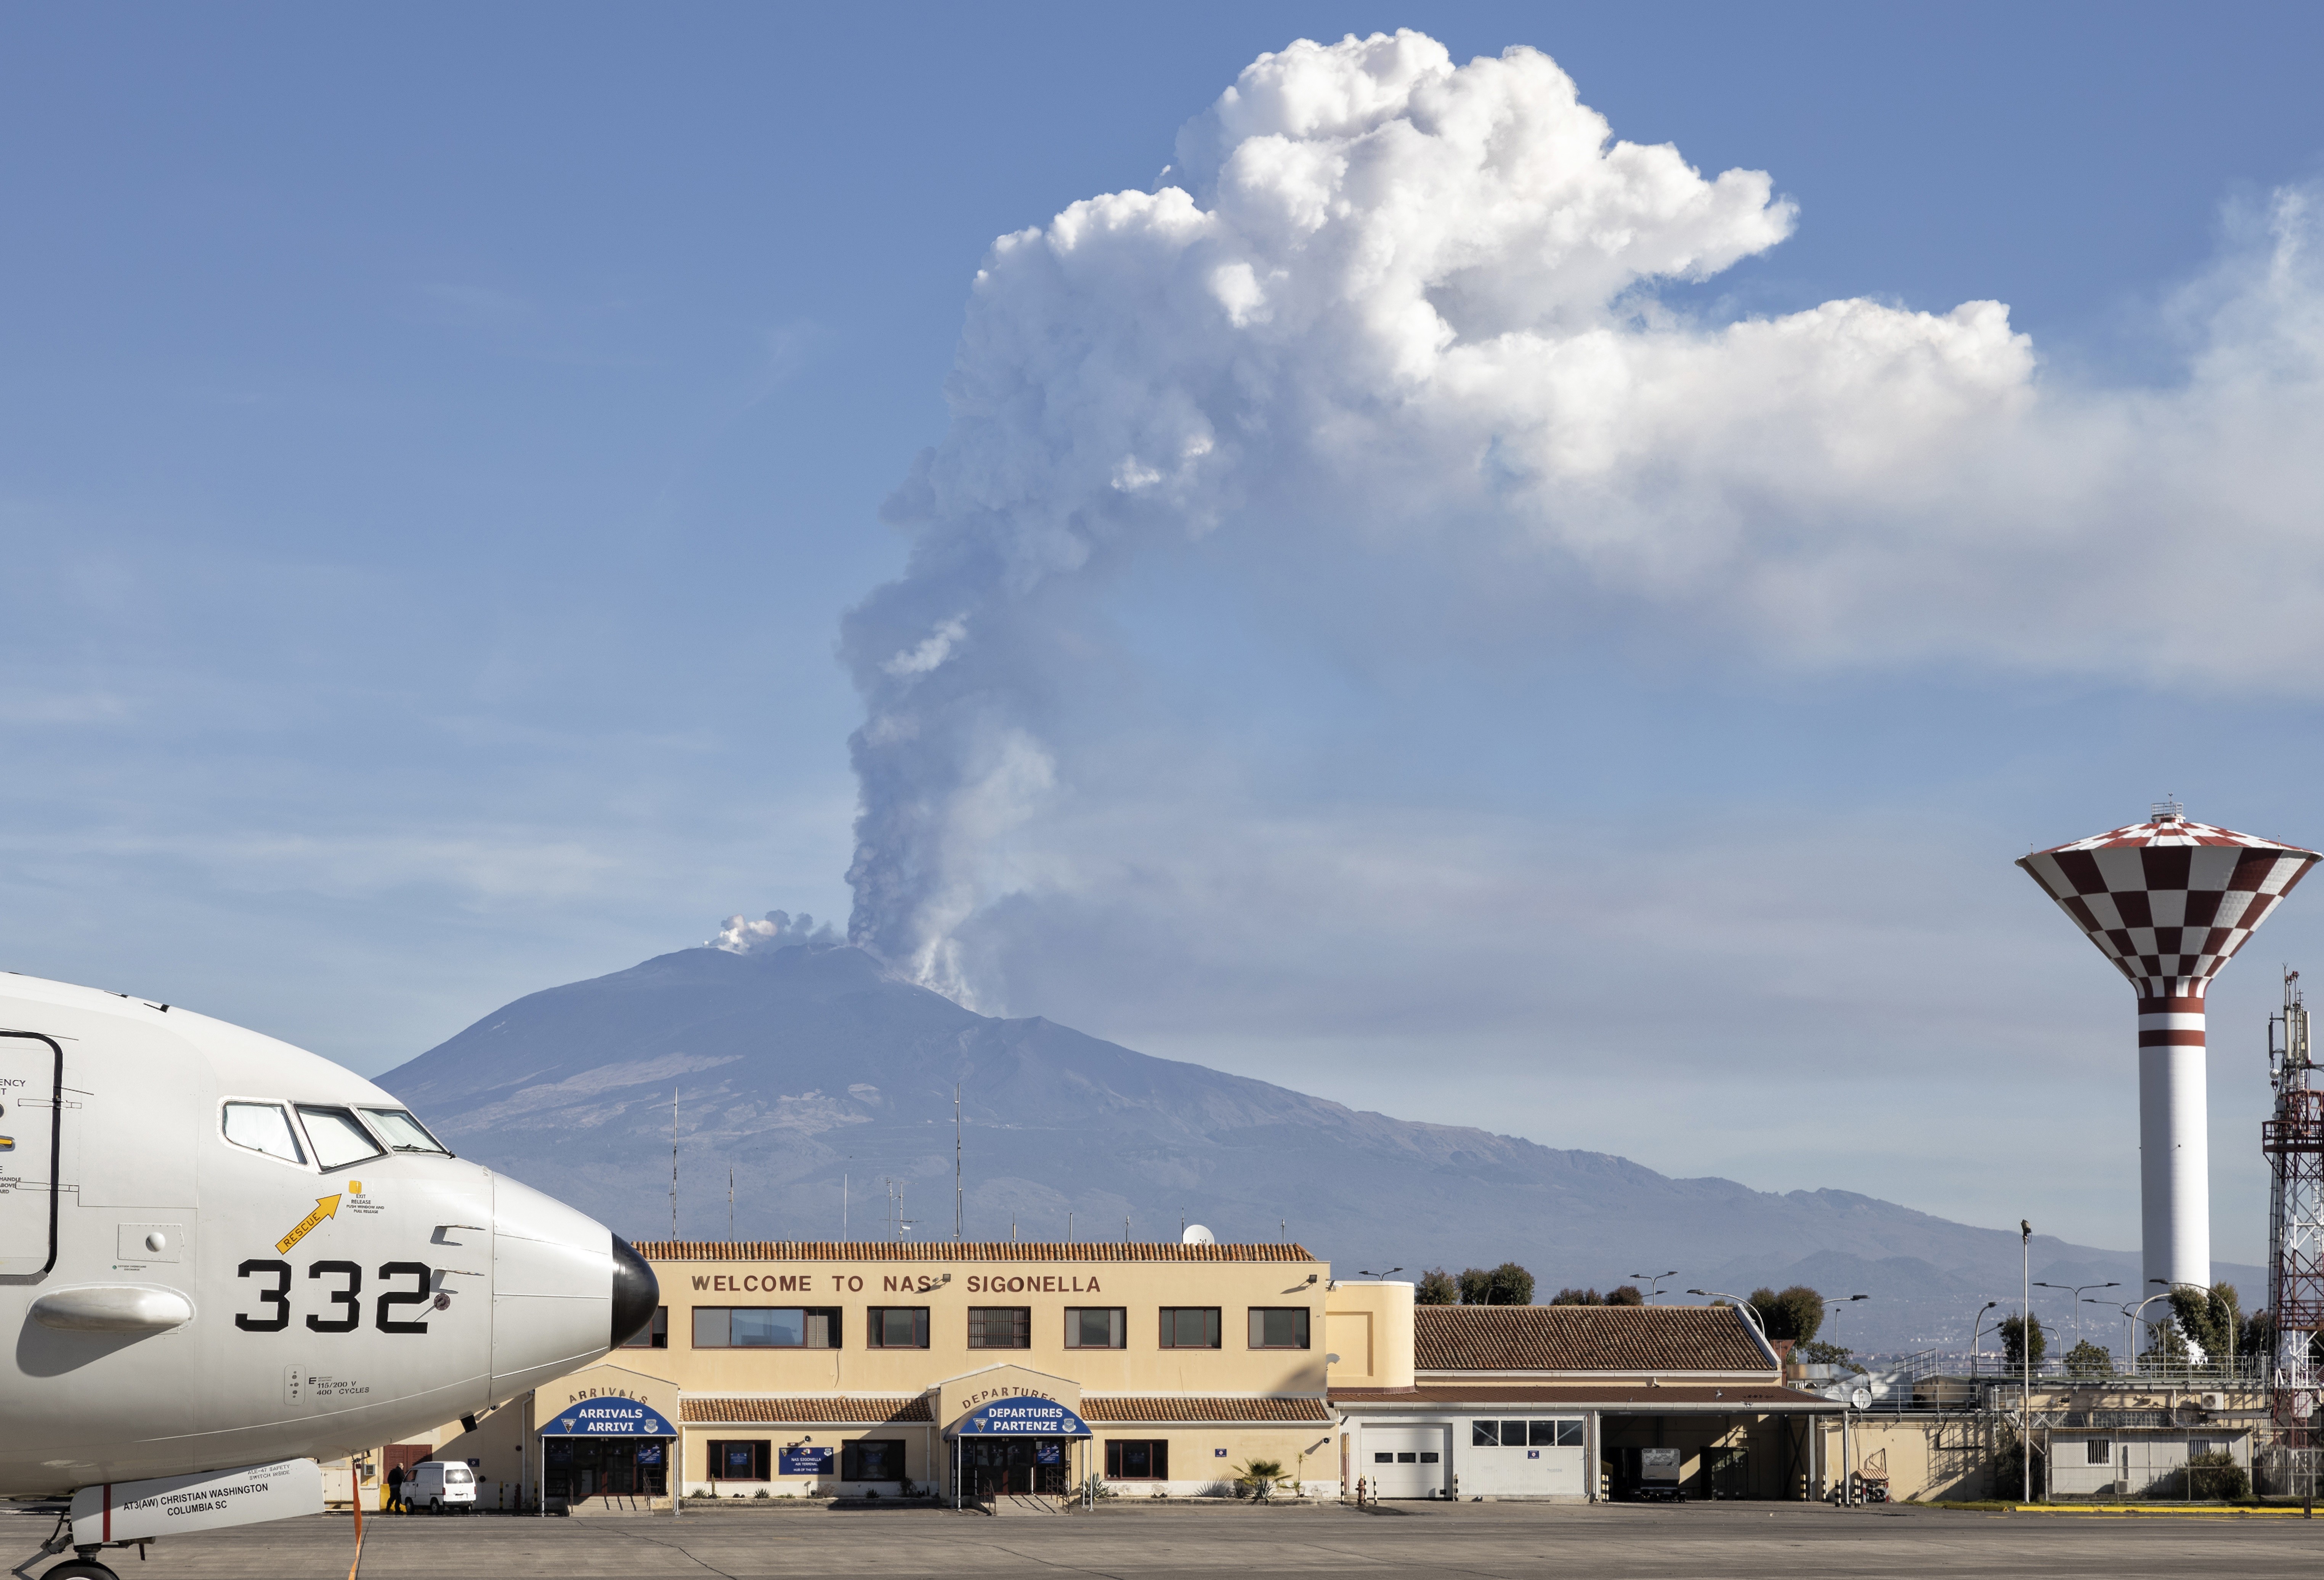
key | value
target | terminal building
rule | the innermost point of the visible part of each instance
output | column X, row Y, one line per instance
column 993, row 1370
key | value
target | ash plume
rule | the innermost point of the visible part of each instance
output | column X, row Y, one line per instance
column 1381, row 302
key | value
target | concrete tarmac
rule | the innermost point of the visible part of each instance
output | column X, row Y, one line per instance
column 1778, row 1541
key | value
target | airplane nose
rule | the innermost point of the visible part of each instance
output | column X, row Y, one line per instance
column 636, row 1292
column 554, row 1281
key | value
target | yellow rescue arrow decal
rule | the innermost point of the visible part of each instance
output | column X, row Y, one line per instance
column 326, row 1207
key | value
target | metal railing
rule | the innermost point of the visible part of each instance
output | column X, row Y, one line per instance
column 2240, row 1371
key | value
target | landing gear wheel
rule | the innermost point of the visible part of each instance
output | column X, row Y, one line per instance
column 78, row 1569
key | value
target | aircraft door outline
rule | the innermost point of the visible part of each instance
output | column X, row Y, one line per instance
column 32, row 1122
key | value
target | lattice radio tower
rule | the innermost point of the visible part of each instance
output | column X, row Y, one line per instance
column 2293, row 1140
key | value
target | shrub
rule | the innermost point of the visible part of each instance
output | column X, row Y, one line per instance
column 2009, row 1472
column 1259, row 1478
column 2216, row 1475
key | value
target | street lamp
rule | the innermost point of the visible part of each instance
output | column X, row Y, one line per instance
column 1839, row 1305
column 1976, row 1329
column 2132, row 1314
column 1749, row 1315
column 2078, row 1290
column 1655, row 1279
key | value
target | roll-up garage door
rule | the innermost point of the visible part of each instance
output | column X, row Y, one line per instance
column 1407, row 1462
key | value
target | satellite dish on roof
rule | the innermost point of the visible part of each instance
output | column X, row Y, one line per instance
column 1197, row 1234
column 1861, row 1399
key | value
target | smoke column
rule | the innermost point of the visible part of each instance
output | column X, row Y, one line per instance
column 1378, row 297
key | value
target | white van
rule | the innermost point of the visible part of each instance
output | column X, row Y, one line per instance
column 438, row 1488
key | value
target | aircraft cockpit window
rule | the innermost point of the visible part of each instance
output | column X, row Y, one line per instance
column 403, row 1132
column 339, row 1138
column 262, row 1127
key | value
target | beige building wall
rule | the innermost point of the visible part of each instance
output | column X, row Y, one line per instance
column 1044, row 1287
column 1368, row 1325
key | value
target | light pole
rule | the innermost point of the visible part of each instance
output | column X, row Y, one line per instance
column 2078, row 1290
column 2133, row 1314
column 2087, row 1301
column 1749, row 1315
column 2026, row 1348
column 1977, row 1327
column 1655, row 1279
column 1840, row 1304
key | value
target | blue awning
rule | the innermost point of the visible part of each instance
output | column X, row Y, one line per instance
column 1019, row 1418
column 610, row 1417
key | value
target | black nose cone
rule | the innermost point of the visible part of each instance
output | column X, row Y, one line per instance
column 636, row 1292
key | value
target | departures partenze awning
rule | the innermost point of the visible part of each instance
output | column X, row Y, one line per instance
column 1018, row 1416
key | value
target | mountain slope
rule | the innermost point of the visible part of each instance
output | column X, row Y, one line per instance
column 814, row 1077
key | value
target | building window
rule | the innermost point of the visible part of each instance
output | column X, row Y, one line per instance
column 739, row 1462
column 1000, row 1328
column 897, row 1327
column 2097, row 1450
column 1565, row 1434
column 1136, row 1459
column 1279, row 1328
column 653, row 1336
column 871, row 1459
column 1096, row 1328
column 1189, row 1328
column 766, row 1327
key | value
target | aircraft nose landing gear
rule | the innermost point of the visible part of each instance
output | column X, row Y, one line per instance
column 79, row 1568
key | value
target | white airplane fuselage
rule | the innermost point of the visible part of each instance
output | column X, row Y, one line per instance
column 180, row 1297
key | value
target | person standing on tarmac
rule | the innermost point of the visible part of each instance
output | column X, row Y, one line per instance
column 395, row 1504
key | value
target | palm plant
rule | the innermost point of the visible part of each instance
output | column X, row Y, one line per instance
column 1260, row 1476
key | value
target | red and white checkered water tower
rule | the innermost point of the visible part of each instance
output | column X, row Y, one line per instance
column 2169, row 901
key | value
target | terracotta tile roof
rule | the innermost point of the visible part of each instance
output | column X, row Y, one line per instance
column 958, row 1251
column 811, row 1410
column 1143, row 1408
column 1584, row 1338
column 1621, row 1397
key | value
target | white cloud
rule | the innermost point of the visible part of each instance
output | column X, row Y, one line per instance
column 1404, row 311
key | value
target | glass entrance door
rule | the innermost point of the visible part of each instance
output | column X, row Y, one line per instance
column 1000, row 1467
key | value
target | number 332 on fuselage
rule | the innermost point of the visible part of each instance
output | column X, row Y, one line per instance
column 218, row 1250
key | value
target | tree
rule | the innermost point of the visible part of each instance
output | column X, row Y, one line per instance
column 1794, row 1314
column 1625, row 1294
column 1816, row 1352
column 2089, row 1360
column 2010, row 1468
column 1506, row 1284
column 1437, row 1287
column 2013, row 1342
column 2258, row 1337
column 1573, row 1297
column 2211, row 1317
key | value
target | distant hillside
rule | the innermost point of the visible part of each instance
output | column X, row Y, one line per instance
column 800, row 1065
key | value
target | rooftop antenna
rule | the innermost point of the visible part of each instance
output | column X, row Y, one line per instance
column 673, row 1163
column 1125, row 1228
column 730, row 1201
column 955, row 1162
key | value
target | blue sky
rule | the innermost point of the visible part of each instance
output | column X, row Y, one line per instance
column 437, row 450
